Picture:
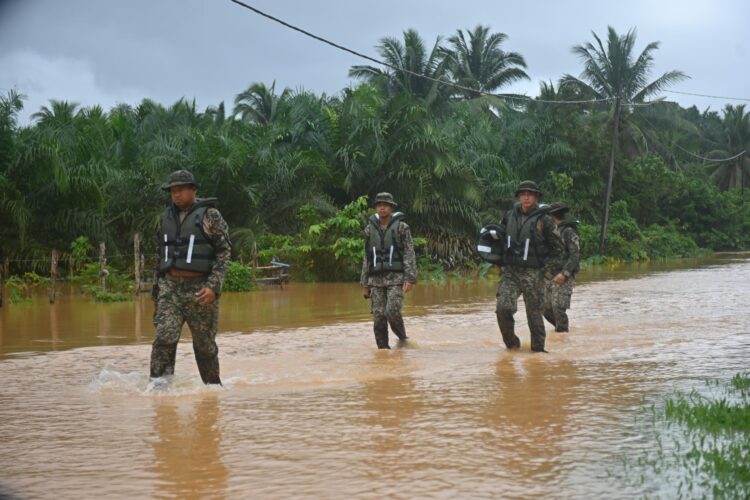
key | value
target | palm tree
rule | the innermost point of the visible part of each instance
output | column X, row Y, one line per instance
column 480, row 64
column 736, row 172
column 260, row 104
column 613, row 73
column 406, row 61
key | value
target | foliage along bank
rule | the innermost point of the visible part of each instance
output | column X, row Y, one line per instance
column 290, row 167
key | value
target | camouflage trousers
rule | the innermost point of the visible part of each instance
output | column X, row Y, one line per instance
column 175, row 305
column 556, row 302
column 386, row 309
column 515, row 281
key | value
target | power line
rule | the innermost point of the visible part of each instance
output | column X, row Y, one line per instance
column 712, row 160
column 453, row 84
column 413, row 73
column 706, row 95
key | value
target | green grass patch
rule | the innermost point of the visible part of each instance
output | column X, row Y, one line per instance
column 715, row 454
column 100, row 296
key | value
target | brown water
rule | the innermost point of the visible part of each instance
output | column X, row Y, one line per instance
column 310, row 408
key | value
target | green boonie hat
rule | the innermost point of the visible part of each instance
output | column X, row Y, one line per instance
column 558, row 208
column 179, row 178
column 529, row 186
column 385, row 198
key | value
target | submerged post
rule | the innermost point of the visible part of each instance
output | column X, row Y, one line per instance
column 53, row 276
column 102, row 267
column 4, row 272
column 137, row 263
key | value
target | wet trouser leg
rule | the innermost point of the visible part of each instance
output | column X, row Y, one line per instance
column 557, row 302
column 168, row 320
column 379, row 298
column 395, row 302
column 507, row 304
column 549, row 313
column 532, row 287
column 203, row 323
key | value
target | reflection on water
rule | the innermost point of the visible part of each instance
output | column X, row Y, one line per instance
column 311, row 409
column 187, row 448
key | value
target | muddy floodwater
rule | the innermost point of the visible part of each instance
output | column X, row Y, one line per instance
column 311, row 409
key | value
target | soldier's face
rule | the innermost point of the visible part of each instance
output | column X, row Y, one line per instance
column 183, row 196
column 527, row 199
column 383, row 209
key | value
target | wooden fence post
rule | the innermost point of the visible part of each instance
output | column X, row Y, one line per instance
column 53, row 276
column 137, row 261
column 102, row 267
column 2, row 286
column 4, row 274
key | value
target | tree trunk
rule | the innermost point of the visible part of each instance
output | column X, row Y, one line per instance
column 102, row 267
column 53, row 276
column 608, row 195
column 137, row 261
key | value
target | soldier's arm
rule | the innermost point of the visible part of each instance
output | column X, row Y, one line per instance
column 217, row 231
column 573, row 250
column 409, row 256
column 555, row 245
column 365, row 263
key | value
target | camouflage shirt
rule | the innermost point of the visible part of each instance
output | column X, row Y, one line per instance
column 217, row 231
column 389, row 278
column 572, row 255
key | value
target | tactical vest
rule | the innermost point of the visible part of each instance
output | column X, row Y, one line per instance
column 568, row 226
column 384, row 247
column 522, row 245
column 184, row 245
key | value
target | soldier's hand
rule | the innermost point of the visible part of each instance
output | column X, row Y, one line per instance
column 407, row 287
column 205, row 296
column 560, row 278
column 368, row 292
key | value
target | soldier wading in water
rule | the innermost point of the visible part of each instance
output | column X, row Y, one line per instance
column 194, row 251
column 389, row 268
column 532, row 255
column 560, row 289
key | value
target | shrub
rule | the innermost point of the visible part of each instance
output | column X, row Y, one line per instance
column 238, row 278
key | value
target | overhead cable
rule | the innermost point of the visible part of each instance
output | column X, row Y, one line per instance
column 453, row 84
column 404, row 70
column 711, row 96
column 712, row 160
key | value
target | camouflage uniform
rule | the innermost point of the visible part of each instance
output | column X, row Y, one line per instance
column 516, row 280
column 387, row 293
column 177, row 304
column 557, row 297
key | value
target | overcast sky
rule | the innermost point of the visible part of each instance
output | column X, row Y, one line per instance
column 106, row 52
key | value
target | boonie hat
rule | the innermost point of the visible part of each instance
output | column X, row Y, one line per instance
column 180, row 178
column 558, row 208
column 530, row 186
column 385, row 198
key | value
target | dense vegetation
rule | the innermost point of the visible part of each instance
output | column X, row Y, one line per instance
column 290, row 167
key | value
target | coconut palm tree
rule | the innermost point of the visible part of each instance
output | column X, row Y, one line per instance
column 480, row 64
column 614, row 73
column 736, row 172
column 406, row 61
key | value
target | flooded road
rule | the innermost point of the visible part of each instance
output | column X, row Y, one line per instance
column 311, row 408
